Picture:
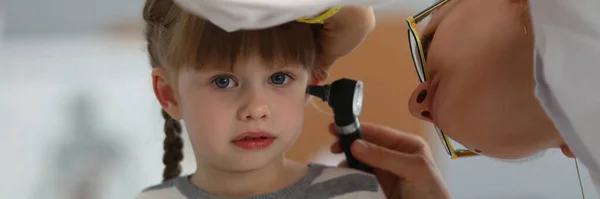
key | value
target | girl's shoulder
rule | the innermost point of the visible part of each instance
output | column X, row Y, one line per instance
column 168, row 189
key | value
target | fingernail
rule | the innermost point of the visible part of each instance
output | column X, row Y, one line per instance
column 426, row 114
column 360, row 147
column 421, row 97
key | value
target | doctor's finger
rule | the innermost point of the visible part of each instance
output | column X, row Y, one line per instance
column 408, row 166
column 336, row 148
column 388, row 137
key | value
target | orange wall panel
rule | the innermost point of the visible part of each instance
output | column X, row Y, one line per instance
column 383, row 62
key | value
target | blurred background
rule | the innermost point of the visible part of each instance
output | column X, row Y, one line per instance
column 79, row 120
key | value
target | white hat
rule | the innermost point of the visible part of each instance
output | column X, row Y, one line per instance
column 233, row 15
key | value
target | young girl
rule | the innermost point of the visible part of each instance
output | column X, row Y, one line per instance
column 242, row 97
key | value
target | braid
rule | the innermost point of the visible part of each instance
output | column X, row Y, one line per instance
column 173, row 146
column 160, row 15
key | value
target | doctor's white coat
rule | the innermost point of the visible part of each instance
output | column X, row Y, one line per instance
column 566, row 70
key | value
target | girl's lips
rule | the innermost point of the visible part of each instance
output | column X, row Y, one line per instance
column 254, row 140
column 254, row 144
column 253, row 135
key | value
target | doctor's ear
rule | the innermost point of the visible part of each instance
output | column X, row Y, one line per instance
column 420, row 102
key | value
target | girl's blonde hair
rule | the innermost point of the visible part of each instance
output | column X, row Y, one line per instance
column 177, row 39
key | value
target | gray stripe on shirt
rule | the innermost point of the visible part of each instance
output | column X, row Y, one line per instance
column 343, row 185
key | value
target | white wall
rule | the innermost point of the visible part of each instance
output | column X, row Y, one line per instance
column 549, row 175
column 39, row 79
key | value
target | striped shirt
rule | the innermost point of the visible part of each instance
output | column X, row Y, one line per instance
column 320, row 182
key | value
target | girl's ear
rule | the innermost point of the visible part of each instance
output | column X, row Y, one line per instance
column 165, row 93
column 313, row 81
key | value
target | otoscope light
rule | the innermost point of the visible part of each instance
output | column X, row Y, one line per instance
column 358, row 98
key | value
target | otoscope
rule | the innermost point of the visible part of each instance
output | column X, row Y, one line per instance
column 345, row 97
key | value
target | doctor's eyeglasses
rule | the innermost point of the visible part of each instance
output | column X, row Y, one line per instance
column 418, row 55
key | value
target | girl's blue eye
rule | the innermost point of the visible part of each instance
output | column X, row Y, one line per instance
column 279, row 78
column 223, row 82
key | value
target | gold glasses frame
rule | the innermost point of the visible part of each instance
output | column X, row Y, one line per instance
column 418, row 55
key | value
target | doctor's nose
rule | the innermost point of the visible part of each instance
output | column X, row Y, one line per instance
column 256, row 108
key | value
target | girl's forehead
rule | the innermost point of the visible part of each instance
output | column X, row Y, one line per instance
column 249, row 65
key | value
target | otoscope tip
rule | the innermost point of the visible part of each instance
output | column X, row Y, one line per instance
column 319, row 91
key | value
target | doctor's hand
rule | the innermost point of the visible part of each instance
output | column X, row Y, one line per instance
column 343, row 32
column 402, row 162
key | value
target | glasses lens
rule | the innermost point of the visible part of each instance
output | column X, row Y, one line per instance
column 443, row 140
column 416, row 55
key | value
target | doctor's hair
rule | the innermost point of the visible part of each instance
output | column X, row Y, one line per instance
column 177, row 39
